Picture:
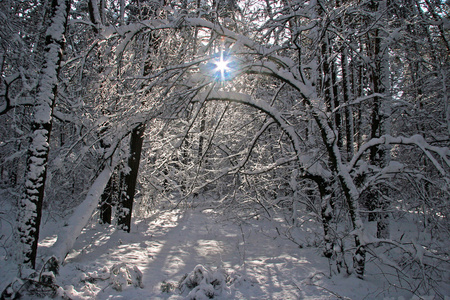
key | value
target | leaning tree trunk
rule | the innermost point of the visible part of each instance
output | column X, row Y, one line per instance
column 129, row 180
column 82, row 214
column 30, row 205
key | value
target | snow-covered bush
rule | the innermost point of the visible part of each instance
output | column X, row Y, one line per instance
column 119, row 276
column 167, row 287
column 204, row 284
column 412, row 267
column 35, row 284
column 122, row 275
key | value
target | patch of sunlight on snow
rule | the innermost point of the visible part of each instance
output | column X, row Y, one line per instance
column 173, row 265
column 101, row 240
column 208, row 247
column 48, row 241
column 135, row 251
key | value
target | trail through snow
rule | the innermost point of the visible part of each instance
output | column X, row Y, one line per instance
column 171, row 244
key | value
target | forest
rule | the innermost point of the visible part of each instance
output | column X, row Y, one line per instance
column 323, row 122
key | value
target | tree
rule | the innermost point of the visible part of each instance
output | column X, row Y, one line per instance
column 128, row 187
column 30, row 205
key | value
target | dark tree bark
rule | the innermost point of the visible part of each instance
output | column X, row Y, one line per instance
column 108, row 200
column 379, row 155
column 129, row 180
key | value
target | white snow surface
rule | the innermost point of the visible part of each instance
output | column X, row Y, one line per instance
column 172, row 243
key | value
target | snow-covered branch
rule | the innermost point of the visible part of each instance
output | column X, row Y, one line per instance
column 307, row 169
column 416, row 140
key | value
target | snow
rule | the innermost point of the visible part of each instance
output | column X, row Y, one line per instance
column 56, row 31
column 174, row 243
column 229, row 260
column 232, row 261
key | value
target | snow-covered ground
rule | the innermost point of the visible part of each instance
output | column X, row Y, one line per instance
column 252, row 259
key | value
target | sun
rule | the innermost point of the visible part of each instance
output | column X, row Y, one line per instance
column 222, row 67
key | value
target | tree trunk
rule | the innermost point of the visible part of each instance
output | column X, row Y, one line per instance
column 327, row 216
column 128, row 179
column 346, row 95
column 95, row 14
column 380, row 155
column 108, row 200
column 201, row 139
column 82, row 214
column 30, row 205
column 128, row 186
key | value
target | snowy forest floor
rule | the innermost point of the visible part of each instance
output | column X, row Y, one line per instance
column 260, row 263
